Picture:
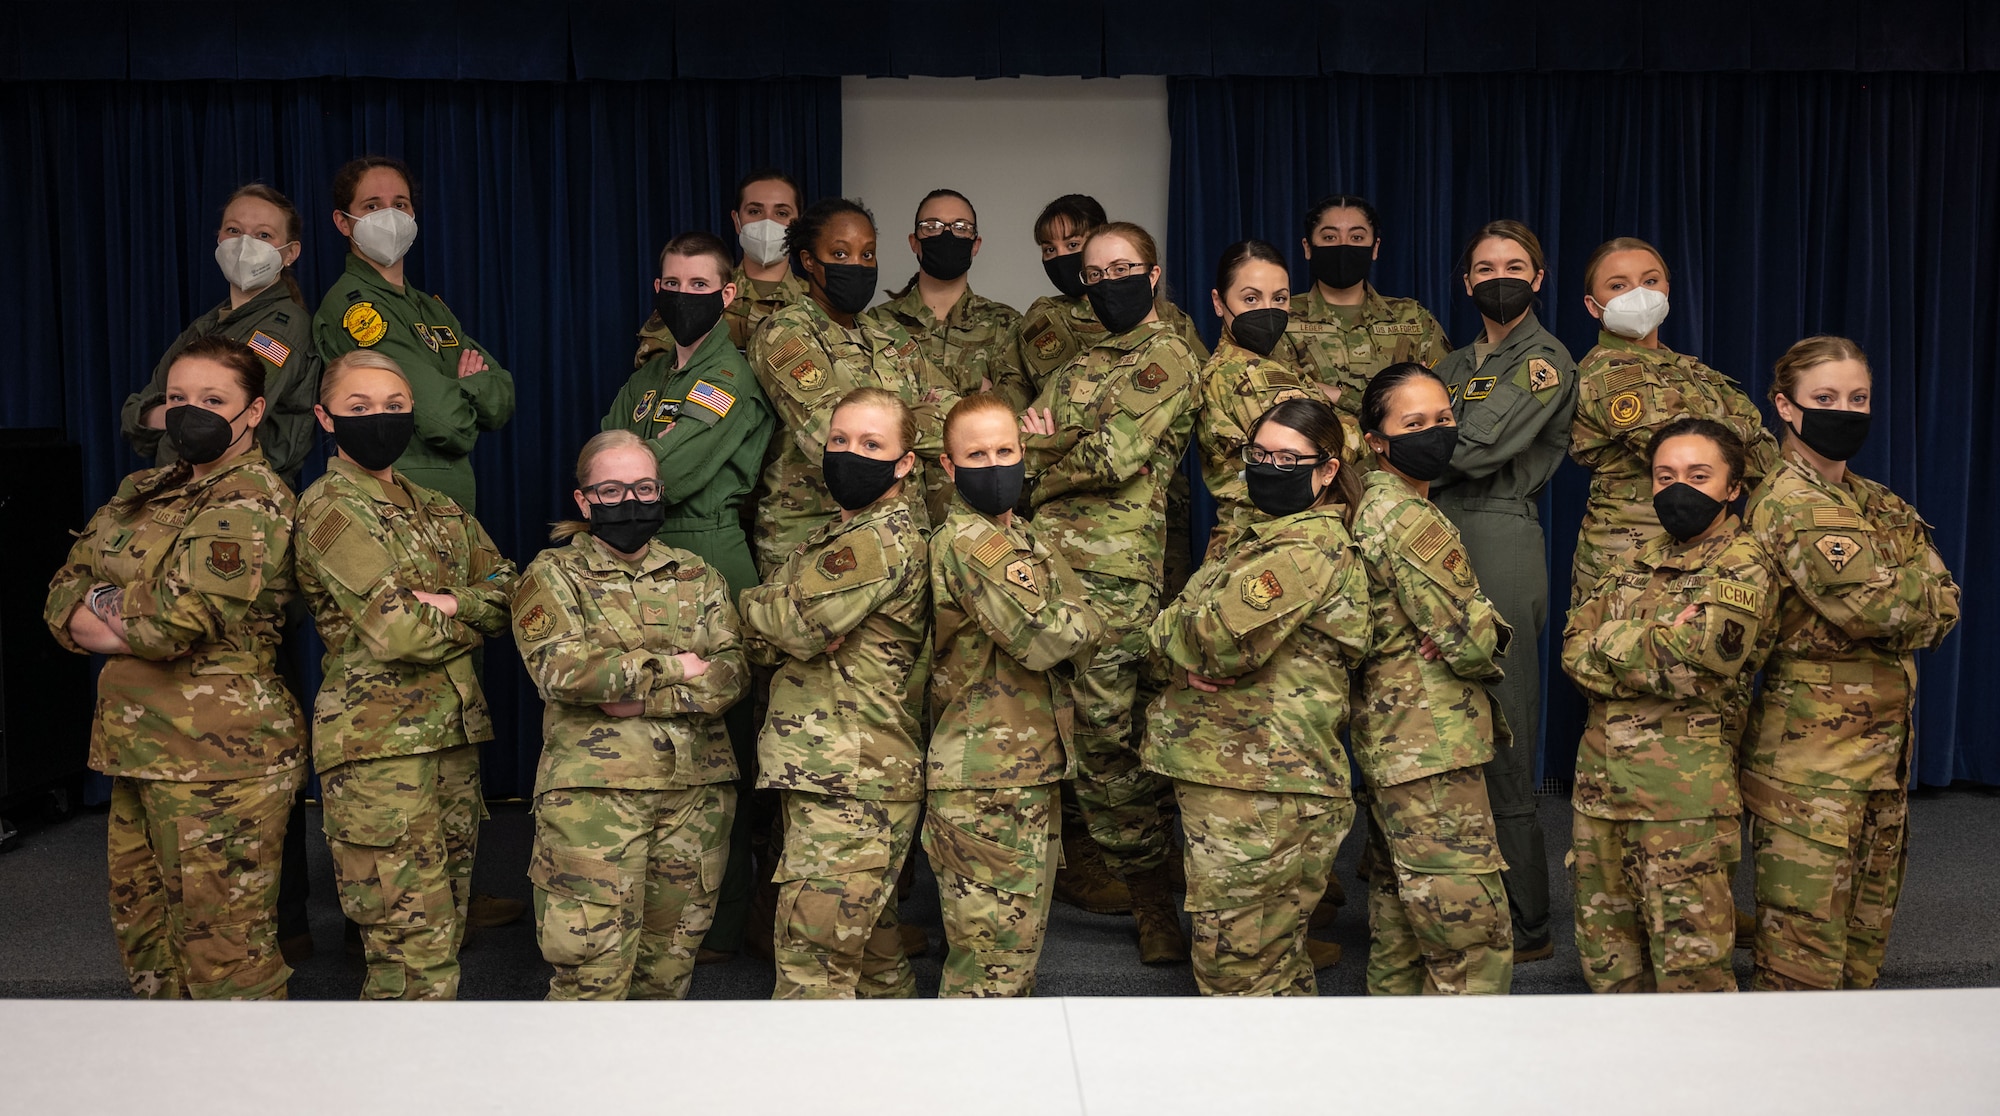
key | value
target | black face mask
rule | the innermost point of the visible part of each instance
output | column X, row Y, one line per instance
column 689, row 316
column 1341, row 266
column 1278, row 492
column 199, row 434
column 1259, row 330
column 1066, row 272
column 1423, row 455
column 994, row 489
column 1684, row 510
column 375, row 441
column 849, row 287
column 1834, row 435
column 944, row 256
column 1121, row 303
column 856, row 481
column 1503, row 300
column 628, row 525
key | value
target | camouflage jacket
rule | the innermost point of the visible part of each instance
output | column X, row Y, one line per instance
column 399, row 674
column 1125, row 406
column 1012, row 629
column 1668, row 700
column 1862, row 588
column 743, row 315
column 206, row 565
column 1058, row 329
column 1514, row 404
column 1284, row 613
column 967, row 345
column 844, row 722
column 1343, row 348
column 805, row 363
column 1237, row 387
column 1414, row 718
column 595, row 629
column 1625, row 392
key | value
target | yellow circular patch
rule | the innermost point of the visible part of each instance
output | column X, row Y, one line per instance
column 364, row 323
column 1626, row 408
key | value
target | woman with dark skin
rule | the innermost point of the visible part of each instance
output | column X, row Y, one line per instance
column 810, row 354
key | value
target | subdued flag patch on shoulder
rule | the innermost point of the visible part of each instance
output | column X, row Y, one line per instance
column 328, row 530
column 1833, row 515
column 270, row 348
column 705, row 394
column 1425, row 544
column 991, row 549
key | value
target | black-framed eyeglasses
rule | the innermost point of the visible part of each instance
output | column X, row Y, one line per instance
column 1283, row 460
column 931, row 226
column 612, row 492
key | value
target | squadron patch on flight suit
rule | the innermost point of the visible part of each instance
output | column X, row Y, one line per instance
column 364, row 323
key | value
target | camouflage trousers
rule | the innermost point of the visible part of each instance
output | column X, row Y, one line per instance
column 1437, row 910
column 626, row 883
column 403, row 831
column 1257, row 864
column 836, row 933
column 1653, row 909
column 194, row 885
column 1121, row 800
column 1829, row 875
column 995, row 853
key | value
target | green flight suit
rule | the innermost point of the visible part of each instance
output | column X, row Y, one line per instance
column 708, row 425
column 362, row 310
column 277, row 330
column 1514, row 402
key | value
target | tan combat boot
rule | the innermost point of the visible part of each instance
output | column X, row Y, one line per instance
column 1325, row 955
column 1160, row 939
column 1084, row 881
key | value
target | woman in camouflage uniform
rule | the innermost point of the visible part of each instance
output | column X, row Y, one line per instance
column 632, row 644
column 1247, row 375
column 846, row 621
column 404, row 585
column 1012, row 628
column 179, row 580
column 1120, row 415
column 1342, row 330
column 810, row 354
column 1666, row 646
column 1628, row 387
column 1423, row 721
column 1259, row 646
column 1826, row 762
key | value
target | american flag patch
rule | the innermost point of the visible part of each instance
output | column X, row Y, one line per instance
column 705, row 394
column 270, row 348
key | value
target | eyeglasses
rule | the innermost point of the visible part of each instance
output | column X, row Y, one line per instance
column 1283, row 460
column 931, row 226
column 1118, row 270
column 612, row 492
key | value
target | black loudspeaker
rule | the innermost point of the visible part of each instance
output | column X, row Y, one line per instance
column 46, row 697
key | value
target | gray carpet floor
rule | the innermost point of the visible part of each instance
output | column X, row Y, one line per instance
column 55, row 936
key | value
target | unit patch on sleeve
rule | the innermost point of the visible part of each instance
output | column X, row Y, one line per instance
column 364, row 323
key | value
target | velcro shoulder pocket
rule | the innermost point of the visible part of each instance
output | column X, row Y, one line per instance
column 343, row 547
column 844, row 562
column 225, row 548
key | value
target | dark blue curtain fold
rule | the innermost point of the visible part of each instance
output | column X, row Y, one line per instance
column 542, row 211
column 1786, row 205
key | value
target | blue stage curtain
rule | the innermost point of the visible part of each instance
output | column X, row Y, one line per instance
column 1786, row 205
column 542, row 211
